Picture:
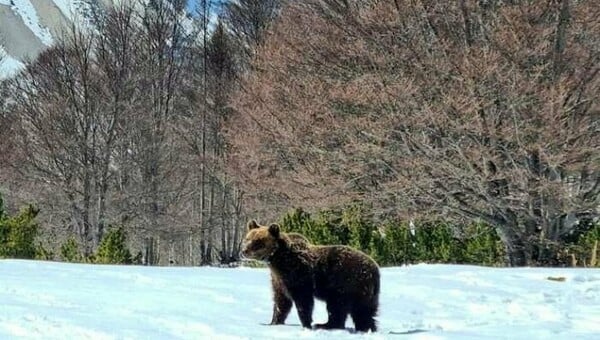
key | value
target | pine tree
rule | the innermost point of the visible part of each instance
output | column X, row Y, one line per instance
column 69, row 251
column 18, row 234
column 113, row 248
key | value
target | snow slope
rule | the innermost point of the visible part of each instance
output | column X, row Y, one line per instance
column 70, row 301
column 8, row 64
column 25, row 9
column 27, row 27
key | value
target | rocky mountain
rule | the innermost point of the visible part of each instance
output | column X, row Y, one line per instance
column 27, row 27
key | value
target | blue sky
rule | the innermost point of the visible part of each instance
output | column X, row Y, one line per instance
column 192, row 4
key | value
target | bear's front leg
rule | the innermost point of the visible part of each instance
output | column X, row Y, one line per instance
column 304, row 301
column 281, row 303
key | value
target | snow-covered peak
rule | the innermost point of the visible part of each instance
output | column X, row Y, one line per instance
column 27, row 27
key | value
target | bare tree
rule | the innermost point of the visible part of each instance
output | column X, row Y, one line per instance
column 96, row 119
column 215, row 199
column 154, row 145
column 199, row 142
column 5, row 125
column 123, row 124
column 116, row 51
column 466, row 110
column 223, row 71
column 249, row 21
column 61, row 125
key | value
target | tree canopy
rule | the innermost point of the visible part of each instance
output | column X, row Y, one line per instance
column 467, row 110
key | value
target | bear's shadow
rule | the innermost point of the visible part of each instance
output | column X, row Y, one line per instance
column 348, row 329
column 353, row 331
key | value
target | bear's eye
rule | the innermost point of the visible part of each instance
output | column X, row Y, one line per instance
column 257, row 244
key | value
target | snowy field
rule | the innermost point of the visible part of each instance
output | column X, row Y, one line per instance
column 44, row 300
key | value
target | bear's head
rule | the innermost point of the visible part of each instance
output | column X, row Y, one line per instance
column 260, row 241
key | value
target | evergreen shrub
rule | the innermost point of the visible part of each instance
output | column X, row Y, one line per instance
column 399, row 242
column 113, row 248
column 18, row 233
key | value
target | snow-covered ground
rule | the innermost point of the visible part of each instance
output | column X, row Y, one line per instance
column 44, row 300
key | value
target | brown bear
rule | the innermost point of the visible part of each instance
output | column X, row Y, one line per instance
column 346, row 279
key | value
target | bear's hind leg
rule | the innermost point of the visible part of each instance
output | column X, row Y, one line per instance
column 337, row 310
column 363, row 316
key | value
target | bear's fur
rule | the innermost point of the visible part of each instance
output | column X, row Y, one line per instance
column 346, row 279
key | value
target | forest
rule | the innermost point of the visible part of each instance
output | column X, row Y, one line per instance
column 431, row 131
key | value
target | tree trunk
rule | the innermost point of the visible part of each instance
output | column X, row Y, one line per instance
column 237, row 217
column 191, row 243
column 87, row 226
column 224, row 257
column 210, row 218
column 151, row 253
column 561, row 38
column 172, row 260
column 518, row 253
column 102, row 203
column 203, row 233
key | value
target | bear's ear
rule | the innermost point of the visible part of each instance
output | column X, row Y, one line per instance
column 252, row 225
column 274, row 230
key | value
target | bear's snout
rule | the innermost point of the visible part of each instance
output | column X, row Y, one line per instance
column 245, row 251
